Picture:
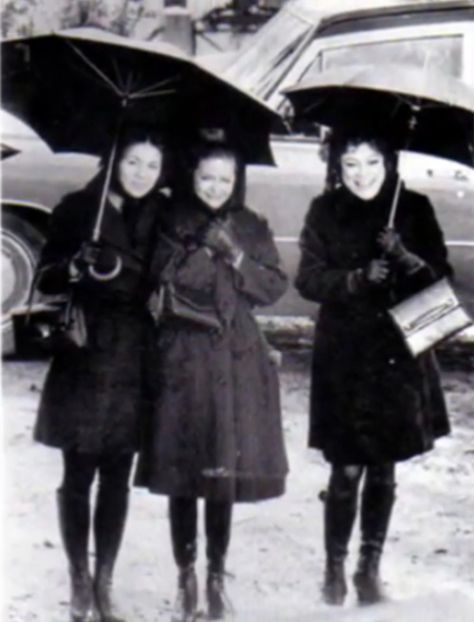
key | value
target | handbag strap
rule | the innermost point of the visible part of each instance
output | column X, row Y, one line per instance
column 31, row 294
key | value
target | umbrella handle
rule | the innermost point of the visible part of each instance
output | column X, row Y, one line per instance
column 396, row 193
column 394, row 206
column 107, row 276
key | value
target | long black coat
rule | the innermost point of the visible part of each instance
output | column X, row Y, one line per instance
column 216, row 428
column 93, row 399
column 371, row 401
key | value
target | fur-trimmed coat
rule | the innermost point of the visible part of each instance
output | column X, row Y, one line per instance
column 216, row 429
column 94, row 399
column 371, row 401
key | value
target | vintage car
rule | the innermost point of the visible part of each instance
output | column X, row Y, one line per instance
column 306, row 37
column 303, row 36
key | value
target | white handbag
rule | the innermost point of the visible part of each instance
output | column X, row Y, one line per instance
column 429, row 317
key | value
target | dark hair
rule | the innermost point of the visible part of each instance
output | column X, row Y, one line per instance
column 337, row 143
column 133, row 135
column 191, row 157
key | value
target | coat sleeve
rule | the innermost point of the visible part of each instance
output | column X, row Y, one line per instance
column 63, row 242
column 316, row 278
column 259, row 276
column 430, row 244
column 427, row 244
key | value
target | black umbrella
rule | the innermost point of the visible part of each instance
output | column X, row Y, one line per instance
column 72, row 85
column 76, row 87
column 419, row 110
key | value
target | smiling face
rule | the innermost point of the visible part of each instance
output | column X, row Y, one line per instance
column 363, row 170
column 139, row 169
column 214, row 180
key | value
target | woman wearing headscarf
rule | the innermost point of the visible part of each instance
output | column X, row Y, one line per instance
column 372, row 403
column 94, row 397
column 216, row 430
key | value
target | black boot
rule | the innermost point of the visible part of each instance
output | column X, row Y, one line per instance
column 377, row 502
column 216, row 602
column 218, row 528
column 187, row 599
column 183, row 522
column 339, row 515
column 74, row 522
column 109, row 522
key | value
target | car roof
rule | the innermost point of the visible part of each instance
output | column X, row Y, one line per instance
column 262, row 64
column 413, row 14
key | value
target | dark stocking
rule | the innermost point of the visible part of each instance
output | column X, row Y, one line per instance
column 74, row 521
column 218, row 529
column 183, row 523
column 339, row 515
column 109, row 522
column 378, row 497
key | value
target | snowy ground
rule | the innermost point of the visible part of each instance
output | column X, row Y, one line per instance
column 276, row 557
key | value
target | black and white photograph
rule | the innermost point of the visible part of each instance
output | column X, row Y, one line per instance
column 237, row 310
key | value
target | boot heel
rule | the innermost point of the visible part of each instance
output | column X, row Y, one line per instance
column 82, row 608
column 218, row 601
column 334, row 590
column 187, row 600
column 103, row 597
column 367, row 581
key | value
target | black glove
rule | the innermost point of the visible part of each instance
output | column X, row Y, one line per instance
column 391, row 243
column 220, row 240
column 377, row 271
column 94, row 254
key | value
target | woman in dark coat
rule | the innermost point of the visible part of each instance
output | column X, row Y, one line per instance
column 93, row 398
column 372, row 403
column 216, row 430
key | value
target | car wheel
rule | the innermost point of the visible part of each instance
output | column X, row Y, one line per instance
column 21, row 245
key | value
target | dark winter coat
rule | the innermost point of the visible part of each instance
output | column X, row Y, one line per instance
column 216, row 429
column 371, row 401
column 93, row 398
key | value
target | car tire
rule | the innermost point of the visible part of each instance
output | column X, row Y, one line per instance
column 21, row 245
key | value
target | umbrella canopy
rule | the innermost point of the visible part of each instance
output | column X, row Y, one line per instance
column 6, row 151
column 419, row 109
column 73, row 86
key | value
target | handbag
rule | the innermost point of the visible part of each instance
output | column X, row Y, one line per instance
column 49, row 327
column 429, row 317
column 169, row 303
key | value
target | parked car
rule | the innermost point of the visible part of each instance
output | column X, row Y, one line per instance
column 304, row 36
column 307, row 37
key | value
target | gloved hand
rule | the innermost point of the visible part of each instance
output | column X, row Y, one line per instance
column 93, row 254
column 391, row 243
column 220, row 240
column 377, row 271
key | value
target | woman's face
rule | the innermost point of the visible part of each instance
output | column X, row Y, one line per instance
column 363, row 170
column 214, row 180
column 139, row 169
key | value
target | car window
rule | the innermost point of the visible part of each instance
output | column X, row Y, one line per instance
column 260, row 66
column 442, row 52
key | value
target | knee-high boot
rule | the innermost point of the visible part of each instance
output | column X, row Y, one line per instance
column 109, row 522
column 74, row 522
column 183, row 522
column 339, row 515
column 218, row 529
column 377, row 501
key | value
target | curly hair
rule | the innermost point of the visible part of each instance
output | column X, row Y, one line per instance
column 339, row 141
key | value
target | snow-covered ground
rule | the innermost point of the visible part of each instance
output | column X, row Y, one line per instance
column 276, row 556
